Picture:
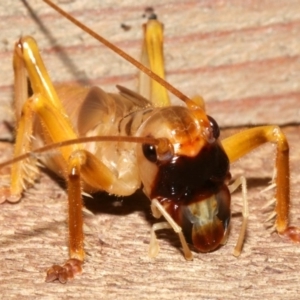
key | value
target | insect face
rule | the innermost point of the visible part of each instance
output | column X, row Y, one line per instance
column 192, row 191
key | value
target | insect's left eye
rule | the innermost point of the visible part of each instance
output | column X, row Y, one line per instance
column 215, row 127
column 150, row 152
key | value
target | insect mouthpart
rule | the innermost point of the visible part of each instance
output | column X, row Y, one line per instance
column 205, row 223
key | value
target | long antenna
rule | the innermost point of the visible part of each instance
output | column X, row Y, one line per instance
column 82, row 140
column 120, row 52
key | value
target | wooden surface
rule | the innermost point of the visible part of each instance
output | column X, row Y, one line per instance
column 243, row 57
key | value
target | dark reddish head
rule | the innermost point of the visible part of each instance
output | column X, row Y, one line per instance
column 189, row 177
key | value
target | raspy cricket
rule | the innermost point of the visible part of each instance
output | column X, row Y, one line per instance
column 120, row 142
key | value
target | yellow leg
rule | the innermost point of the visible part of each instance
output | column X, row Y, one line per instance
column 240, row 144
column 25, row 171
column 26, row 50
column 152, row 57
column 20, row 82
column 73, row 266
column 82, row 165
column 47, row 108
column 28, row 61
column 75, row 207
column 241, row 181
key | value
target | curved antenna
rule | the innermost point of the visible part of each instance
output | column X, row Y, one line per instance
column 83, row 140
column 120, row 52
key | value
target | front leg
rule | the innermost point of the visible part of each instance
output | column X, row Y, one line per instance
column 73, row 266
column 82, row 166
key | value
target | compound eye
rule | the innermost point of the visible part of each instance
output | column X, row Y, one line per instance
column 150, row 152
column 215, row 127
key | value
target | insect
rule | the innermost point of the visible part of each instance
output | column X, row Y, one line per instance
column 173, row 151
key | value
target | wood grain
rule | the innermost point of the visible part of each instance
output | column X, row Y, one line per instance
column 243, row 57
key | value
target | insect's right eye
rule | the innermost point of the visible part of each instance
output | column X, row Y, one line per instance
column 215, row 127
column 150, row 152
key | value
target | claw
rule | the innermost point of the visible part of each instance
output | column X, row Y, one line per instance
column 66, row 272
